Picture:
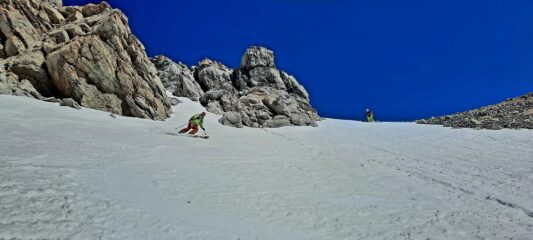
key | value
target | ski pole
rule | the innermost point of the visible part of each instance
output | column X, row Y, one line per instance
column 182, row 125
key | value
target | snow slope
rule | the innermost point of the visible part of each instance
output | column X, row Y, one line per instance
column 80, row 174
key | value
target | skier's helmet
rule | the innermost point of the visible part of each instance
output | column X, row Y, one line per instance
column 203, row 114
column 367, row 110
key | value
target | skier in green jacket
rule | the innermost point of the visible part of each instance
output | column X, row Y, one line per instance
column 369, row 115
column 196, row 121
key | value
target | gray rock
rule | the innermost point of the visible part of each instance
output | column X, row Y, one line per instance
column 174, row 101
column 297, row 110
column 212, row 95
column 262, row 95
column 52, row 100
column 54, row 15
column 12, row 85
column 76, row 30
column 258, row 105
column 56, row 3
column 293, row 86
column 257, row 56
column 14, row 46
column 73, row 14
column 89, row 71
column 59, row 36
column 31, row 66
column 21, row 25
column 260, row 77
column 2, row 51
column 177, row 78
column 513, row 113
column 93, row 9
column 215, row 107
column 69, row 102
column 232, row 119
column 85, row 53
column 477, row 122
column 230, row 103
column 277, row 122
column 214, row 75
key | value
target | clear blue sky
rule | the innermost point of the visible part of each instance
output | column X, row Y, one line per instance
column 404, row 59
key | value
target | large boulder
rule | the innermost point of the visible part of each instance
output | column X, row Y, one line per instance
column 513, row 113
column 213, row 75
column 257, row 56
column 56, row 3
column 12, row 85
column 30, row 66
column 85, row 53
column 232, row 119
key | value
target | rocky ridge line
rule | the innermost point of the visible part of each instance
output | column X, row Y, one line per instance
column 513, row 113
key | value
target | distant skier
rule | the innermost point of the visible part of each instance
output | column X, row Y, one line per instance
column 369, row 115
column 196, row 121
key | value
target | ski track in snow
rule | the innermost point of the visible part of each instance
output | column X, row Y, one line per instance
column 69, row 174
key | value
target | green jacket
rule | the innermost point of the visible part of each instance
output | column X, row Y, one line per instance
column 197, row 120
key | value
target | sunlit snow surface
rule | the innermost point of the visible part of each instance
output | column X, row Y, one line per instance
column 80, row 174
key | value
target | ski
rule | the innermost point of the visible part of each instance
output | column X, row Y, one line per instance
column 187, row 135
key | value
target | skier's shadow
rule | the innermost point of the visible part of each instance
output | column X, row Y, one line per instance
column 174, row 134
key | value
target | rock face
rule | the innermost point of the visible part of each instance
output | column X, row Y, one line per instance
column 514, row 113
column 257, row 57
column 85, row 53
column 177, row 78
column 254, row 95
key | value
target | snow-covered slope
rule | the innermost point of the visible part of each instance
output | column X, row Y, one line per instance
column 69, row 174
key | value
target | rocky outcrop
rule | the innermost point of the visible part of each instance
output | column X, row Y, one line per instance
column 254, row 95
column 213, row 75
column 513, row 113
column 257, row 57
column 177, row 78
column 85, row 53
